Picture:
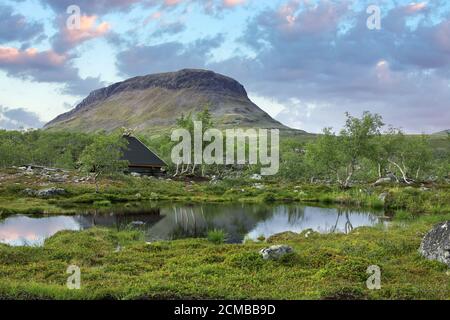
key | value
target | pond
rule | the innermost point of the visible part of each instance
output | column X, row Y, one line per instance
column 177, row 221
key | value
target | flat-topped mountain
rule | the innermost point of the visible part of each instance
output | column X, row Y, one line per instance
column 443, row 133
column 155, row 101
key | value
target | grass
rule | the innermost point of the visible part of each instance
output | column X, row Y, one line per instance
column 329, row 266
column 127, row 189
column 216, row 236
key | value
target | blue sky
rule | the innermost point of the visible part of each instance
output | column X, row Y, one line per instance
column 305, row 62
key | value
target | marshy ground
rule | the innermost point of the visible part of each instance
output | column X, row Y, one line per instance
column 122, row 265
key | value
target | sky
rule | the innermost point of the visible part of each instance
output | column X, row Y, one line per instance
column 305, row 62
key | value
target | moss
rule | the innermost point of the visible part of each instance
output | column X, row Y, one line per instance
column 126, row 189
column 331, row 266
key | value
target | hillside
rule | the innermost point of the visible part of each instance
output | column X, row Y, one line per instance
column 154, row 102
column 443, row 133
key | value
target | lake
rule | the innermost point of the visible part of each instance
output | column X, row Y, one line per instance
column 177, row 221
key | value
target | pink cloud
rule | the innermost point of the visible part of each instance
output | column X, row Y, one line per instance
column 442, row 36
column 416, row 7
column 232, row 3
column 31, row 56
column 88, row 30
column 171, row 3
column 311, row 19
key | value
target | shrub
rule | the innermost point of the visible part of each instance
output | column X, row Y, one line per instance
column 216, row 236
column 269, row 197
column 102, row 203
column 403, row 215
column 251, row 261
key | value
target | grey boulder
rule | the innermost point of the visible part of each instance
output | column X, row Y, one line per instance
column 275, row 252
column 436, row 243
column 46, row 193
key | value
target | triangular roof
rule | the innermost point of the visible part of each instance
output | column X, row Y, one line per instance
column 137, row 154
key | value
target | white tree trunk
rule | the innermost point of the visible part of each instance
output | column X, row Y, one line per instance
column 405, row 178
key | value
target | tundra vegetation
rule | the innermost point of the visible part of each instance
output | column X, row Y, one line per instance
column 362, row 165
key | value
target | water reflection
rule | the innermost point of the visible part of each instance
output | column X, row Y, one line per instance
column 166, row 222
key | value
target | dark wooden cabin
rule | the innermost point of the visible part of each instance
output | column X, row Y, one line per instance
column 141, row 159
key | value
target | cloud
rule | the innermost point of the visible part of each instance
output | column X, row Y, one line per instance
column 46, row 66
column 13, row 119
column 169, row 28
column 213, row 7
column 67, row 39
column 91, row 7
column 30, row 63
column 15, row 27
column 306, row 63
column 165, row 57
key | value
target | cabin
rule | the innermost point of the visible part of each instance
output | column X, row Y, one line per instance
column 141, row 159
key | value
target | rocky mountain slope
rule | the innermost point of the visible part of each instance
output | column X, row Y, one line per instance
column 153, row 102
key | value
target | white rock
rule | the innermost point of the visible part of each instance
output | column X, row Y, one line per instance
column 275, row 252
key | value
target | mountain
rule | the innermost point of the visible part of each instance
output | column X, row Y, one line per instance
column 154, row 102
column 443, row 133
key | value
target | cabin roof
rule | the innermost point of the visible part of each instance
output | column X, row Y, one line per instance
column 138, row 154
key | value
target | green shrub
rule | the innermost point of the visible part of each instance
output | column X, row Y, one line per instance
column 251, row 261
column 102, row 203
column 269, row 197
column 216, row 236
column 403, row 216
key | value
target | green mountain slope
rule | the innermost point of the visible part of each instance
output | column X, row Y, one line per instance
column 154, row 102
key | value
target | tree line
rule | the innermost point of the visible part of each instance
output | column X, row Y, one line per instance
column 363, row 151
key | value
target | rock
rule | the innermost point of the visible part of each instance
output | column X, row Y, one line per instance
column 308, row 233
column 275, row 252
column 137, row 223
column 58, row 178
column 382, row 197
column 256, row 177
column 383, row 181
column 425, row 189
column 29, row 192
column 258, row 186
column 45, row 193
column 436, row 243
column 135, row 174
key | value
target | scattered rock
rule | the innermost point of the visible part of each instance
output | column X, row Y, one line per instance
column 275, row 252
column 436, row 243
column 135, row 174
column 383, row 181
column 137, row 223
column 256, row 177
column 308, row 233
column 29, row 192
column 45, row 193
column 382, row 197
column 58, row 179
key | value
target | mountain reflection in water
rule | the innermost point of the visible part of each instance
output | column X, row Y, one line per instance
column 168, row 222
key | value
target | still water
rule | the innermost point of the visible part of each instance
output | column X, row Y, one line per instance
column 167, row 222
